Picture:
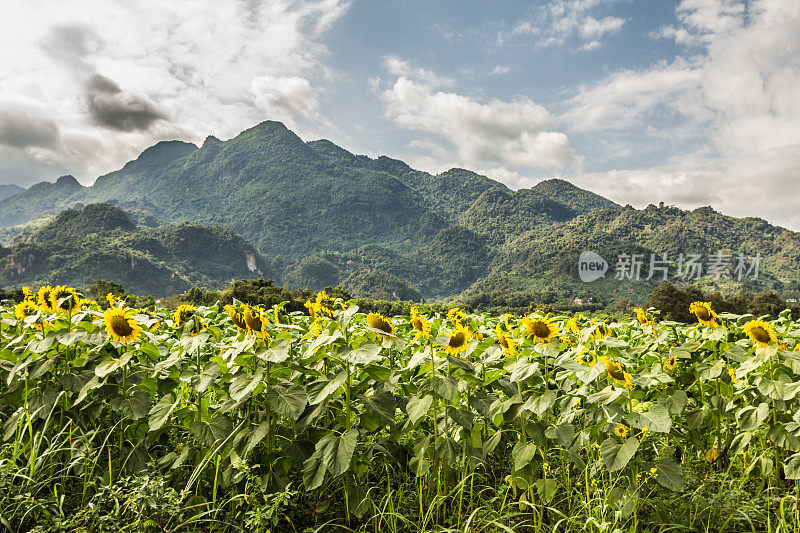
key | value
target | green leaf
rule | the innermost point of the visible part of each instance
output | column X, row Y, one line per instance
column 780, row 389
column 445, row 386
column 615, row 455
column 210, row 431
column 791, row 467
column 546, row 488
column 382, row 404
column 417, row 407
column 669, row 474
column 336, row 451
column 111, row 364
column 287, row 401
column 366, row 354
column 160, row 412
column 132, row 407
column 313, row 472
column 245, row 384
column 277, row 353
column 605, row 396
column 330, row 387
column 750, row 418
column 656, row 419
column 538, row 405
column 257, row 436
column 210, row 373
column 522, row 454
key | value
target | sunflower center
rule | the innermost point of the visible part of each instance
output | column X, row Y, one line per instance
column 703, row 314
column 417, row 323
column 253, row 321
column 120, row 326
column 760, row 334
column 540, row 329
column 457, row 340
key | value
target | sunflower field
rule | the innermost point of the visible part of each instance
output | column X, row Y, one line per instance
column 241, row 418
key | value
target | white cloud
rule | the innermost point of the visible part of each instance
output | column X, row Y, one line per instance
column 500, row 70
column 558, row 20
column 734, row 95
column 152, row 70
column 398, row 67
column 494, row 132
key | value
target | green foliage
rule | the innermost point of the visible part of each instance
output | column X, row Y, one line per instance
column 100, row 242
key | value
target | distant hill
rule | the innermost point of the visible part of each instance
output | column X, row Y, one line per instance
column 325, row 216
column 9, row 190
column 101, row 242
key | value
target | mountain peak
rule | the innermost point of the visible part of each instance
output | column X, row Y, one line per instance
column 67, row 181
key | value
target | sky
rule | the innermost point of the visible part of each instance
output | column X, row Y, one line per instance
column 690, row 103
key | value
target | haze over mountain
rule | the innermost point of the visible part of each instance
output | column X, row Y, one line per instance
column 324, row 216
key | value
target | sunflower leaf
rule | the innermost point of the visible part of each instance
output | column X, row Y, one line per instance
column 616, row 456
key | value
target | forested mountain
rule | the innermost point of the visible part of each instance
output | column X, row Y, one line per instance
column 101, row 242
column 322, row 215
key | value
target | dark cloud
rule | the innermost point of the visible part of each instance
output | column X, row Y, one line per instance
column 21, row 129
column 111, row 107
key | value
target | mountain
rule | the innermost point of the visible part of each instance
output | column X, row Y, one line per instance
column 7, row 191
column 100, row 241
column 325, row 216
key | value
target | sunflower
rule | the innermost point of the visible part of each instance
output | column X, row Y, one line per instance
column 541, row 329
column 508, row 344
column 120, row 325
column 28, row 295
column 237, row 317
column 760, row 332
column 72, row 300
column 378, row 322
column 25, row 309
column 672, row 362
column 455, row 316
column 255, row 322
column 317, row 305
column 183, row 314
column 420, row 324
column 732, row 375
column 590, row 359
column 44, row 299
column 642, row 317
column 572, row 325
column 458, row 340
column 617, row 371
column 705, row 315
column 600, row 332
column 621, row 430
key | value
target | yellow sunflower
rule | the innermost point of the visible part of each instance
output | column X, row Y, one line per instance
column 642, row 317
column 705, row 315
column 317, row 305
column 378, row 322
column 587, row 358
column 572, row 325
column 672, row 362
column 455, row 316
column 761, row 332
column 421, row 325
column 458, row 340
column 72, row 300
column 44, row 299
column 621, row 430
column 541, row 329
column 617, row 371
column 255, row 322
column 120, row 326
column 508, row 344
column 600, row 332
column 732, row 375
column 25, row 309
column 237, row 317
column 183, row 313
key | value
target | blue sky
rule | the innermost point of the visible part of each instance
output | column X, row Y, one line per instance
column 693, row 102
